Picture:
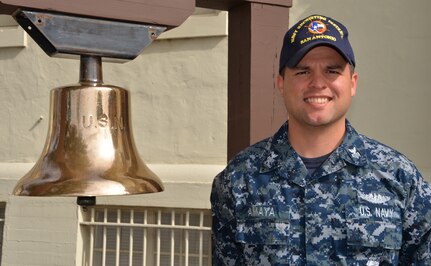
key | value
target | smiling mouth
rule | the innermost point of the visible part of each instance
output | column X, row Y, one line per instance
column 319, row 100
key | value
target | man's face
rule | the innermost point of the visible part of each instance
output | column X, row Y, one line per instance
column 318, row 91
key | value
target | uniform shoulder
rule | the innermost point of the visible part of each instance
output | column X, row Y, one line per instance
column 385, row 156
column 259, row 150
column 252, row 154
column 375, row 145
column 245, row 162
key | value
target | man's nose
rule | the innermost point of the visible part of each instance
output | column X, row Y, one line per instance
column 317, row 80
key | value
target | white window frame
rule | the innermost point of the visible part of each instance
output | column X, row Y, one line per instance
column 11, row 34
column 182, row 236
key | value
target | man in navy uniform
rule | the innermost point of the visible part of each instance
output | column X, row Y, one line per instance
column 317, row 192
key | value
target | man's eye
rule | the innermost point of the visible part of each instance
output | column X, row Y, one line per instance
column 333, row 72
column 301, row 73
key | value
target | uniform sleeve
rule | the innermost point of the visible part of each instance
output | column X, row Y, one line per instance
column 416, row 249
column 225, row 250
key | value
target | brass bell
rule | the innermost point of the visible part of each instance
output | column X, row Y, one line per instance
column 89, row 149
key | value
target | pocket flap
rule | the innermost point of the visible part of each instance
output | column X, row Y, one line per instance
column 262, row 232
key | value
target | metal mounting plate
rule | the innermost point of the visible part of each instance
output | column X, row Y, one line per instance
column 60, row 34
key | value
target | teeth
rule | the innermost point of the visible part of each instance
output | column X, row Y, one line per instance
column 316, row 100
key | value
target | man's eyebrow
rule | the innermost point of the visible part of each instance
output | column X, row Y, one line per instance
column 301, row 67
column 336, row 66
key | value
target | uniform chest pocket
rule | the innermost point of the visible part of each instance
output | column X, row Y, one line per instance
column 262, row 232
column 374, row 226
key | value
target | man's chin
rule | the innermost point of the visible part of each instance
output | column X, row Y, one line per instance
column 323, row 122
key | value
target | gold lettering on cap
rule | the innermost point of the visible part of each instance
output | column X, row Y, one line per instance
column 337, row 28
column 315, row 37
column 292, row 39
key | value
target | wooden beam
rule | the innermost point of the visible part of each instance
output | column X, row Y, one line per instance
column 255, row 110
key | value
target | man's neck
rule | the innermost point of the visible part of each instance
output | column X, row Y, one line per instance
column 313, row 142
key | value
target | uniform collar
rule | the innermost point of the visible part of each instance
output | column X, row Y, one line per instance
column 280, row 154
column 352, row 149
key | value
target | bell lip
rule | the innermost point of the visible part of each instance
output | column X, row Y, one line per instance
column 17, row 191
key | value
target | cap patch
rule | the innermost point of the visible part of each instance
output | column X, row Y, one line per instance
column 317, row 27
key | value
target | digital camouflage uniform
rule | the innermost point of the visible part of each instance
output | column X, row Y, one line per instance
column 366, row 205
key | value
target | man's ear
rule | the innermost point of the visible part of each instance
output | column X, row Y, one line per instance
column 280, row 84
column 354, row 84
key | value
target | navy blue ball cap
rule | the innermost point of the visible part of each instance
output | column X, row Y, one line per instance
column 312, row 31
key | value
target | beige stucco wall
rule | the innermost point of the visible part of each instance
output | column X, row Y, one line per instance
column 178, row 92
